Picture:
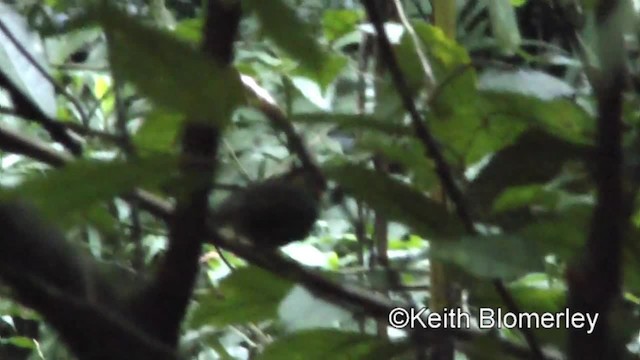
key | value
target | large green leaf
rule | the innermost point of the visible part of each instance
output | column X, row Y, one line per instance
column 76, row 187
column 338, row 23
column 492, row 256
column 547, row 197
column 170, row 72
column 247, row 295
column 536, row 157
column 353, row 122
column 397, row 200
column 559, row 116
column 456, row 79
column 331, row 344
column 159, row 131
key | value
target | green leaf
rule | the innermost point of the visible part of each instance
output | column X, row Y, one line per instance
column 520, row 196
column 559, row 116
column 542, row 299
column 20, row 341
column 294, row 36
column 355, row 122
column 159, row 131
column 449, row 61
column 190, row 30
column 398, row 201
column 536, row 157
column 170, row 72
column 248, row 295
column 492, row 256
column 505, row 25
column 331, row 344
column 75, row 188
column 338, row 23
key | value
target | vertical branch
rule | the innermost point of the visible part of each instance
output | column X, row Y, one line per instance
column 596, row 282
column 161, row 307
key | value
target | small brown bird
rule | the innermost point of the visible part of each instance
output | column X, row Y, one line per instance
column 272, row 213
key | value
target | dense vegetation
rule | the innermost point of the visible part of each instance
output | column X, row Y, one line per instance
column 458, row 155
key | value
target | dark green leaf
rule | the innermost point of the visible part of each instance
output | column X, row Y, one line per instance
column 492, row 256
column 331, row 344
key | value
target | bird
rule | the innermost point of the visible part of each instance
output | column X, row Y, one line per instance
column 271, row 213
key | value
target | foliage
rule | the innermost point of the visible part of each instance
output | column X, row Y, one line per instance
column 514, row 118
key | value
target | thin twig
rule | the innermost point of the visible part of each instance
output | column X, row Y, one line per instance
column 430, row 81
column 26, row 108
column 268, row 106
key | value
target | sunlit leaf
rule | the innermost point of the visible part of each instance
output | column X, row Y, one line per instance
column 338, row 23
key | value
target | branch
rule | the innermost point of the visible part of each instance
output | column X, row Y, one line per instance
column 268, row 106
column 28, row 109
column 48, row 274
column 596, row 282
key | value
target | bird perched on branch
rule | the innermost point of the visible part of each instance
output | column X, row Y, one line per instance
column 272, row 213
